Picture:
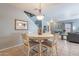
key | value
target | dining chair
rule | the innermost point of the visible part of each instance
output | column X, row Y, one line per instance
column 51, row 44
column 30, row 44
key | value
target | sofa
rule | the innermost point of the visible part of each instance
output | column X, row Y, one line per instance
column 73, row 37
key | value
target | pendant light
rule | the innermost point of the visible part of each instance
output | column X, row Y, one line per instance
column 40, row 16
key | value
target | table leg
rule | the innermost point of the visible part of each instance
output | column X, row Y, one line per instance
column 40, row 47
column 28, row 47
column 52, row 49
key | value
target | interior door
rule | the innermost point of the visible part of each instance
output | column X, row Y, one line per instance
column 68, row 27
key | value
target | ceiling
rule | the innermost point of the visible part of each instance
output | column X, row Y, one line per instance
column 60, row 11
column 32, row 7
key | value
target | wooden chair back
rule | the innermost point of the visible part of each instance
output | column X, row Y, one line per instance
column 25, row 38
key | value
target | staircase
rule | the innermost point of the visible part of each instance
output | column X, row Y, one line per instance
column 37, row 22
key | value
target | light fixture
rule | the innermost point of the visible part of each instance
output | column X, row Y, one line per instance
column 74, row 28
column 48, row 23
column 51, row 21
column 40, row 16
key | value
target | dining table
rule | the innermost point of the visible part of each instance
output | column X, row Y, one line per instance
column 40, row 38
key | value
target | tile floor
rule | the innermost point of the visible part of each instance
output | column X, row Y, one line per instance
column 65, row 48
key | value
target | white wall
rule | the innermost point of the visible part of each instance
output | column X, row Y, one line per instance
column 62, row 11
column 8, row 14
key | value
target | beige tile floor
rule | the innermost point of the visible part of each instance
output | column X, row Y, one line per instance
column 65, row 48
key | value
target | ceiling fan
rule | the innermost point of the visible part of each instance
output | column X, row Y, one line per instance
column 40, row 16
column 29, row 14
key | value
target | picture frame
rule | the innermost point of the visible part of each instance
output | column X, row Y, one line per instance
column 21, row 25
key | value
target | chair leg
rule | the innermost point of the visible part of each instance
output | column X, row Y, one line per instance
column 56, row 50
column 24, row 50
column 47, row 52
column 51, row 51
column 28, row 50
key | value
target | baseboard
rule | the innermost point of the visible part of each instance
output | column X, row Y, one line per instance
column 73, row 41
column 11, row 47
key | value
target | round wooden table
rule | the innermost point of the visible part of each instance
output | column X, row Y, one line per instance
column 40, row 38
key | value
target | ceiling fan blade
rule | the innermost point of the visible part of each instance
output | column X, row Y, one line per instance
column 29, row 14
